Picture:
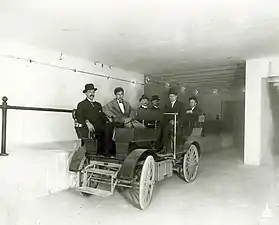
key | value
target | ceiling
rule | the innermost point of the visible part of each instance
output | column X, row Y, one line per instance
column 159, row 38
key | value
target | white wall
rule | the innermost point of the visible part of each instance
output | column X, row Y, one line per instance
column 30, row 84
column 258, row 117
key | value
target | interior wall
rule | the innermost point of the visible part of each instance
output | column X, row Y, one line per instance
column 31, row 84
column 274, row 104
column 234, row 120
column 229, row 105
column 274, row 100
column 211, row 104
column 258, row 116
column 267, row 124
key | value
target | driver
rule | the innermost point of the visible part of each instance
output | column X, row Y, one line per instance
column 89, row 113
column 174, row 106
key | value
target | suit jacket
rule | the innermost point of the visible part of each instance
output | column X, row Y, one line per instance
column 113, row 110
column 149, row 116
column 93, row 113
column 142, row 113
column 178, row 107
column 156, row 113
column 155, row 109
column 194, row 117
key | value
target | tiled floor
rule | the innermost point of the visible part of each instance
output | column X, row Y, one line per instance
column 226, row 192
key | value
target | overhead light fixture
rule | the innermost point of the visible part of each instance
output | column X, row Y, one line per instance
column 147, row 80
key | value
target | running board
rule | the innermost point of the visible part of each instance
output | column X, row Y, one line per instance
column 106, row 173
column 95, row 191
column 103, row 172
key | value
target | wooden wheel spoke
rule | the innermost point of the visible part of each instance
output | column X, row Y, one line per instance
column 190, row 164
column 146, row 183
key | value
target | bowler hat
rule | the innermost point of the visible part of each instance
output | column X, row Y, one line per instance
column 88, row 87
column 173, row 91
column 155, row 97
column 143, row 97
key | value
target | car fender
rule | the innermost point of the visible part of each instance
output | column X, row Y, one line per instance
column 77, row 160
column 131, row 160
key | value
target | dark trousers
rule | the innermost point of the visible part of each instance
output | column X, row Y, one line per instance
column 104, row 134
column 166, row 135
column 165, row 139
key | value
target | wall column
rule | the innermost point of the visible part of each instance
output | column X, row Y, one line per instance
column 256, row 69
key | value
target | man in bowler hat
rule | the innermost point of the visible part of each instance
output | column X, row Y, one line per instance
column 90, row 114
column 155, row 100
column 174, row 106
column 143, row 112
column 143, row 109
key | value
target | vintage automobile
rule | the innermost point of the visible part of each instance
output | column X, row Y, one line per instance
column 137, row 166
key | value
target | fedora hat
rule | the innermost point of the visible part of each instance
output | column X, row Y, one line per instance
column 155, row 97
column 88, row 87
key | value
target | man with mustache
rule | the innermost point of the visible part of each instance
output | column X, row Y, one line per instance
column 143, row 112
column 90, row 114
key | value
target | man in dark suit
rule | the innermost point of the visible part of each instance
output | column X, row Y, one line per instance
column 156, row 113
column 155, row 100
column 174, row 106
column 143, row 111
column 90, row 114
column 192, row 114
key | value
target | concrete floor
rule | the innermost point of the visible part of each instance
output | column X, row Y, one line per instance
column 225, row 192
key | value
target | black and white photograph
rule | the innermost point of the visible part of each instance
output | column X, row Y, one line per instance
column 138, row 112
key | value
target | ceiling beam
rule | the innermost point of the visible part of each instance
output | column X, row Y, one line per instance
column 205, row 73
column 273, row 79
column 205, row 70
column 231, row 77
column 207, row 84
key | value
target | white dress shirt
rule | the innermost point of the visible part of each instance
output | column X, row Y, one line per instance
column 121, row 106
column 172, row 103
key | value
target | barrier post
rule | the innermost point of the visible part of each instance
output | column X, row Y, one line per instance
column 4, row 126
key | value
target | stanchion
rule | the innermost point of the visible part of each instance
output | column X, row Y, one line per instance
column 4, row 126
